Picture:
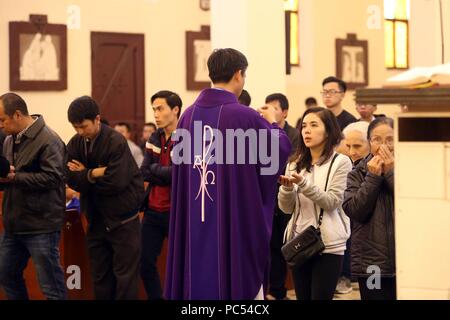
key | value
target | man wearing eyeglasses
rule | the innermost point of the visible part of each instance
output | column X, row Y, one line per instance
column 333, row 92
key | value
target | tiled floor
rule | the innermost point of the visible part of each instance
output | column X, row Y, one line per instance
column 354, row 295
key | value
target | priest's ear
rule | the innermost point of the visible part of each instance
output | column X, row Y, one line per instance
column 239, row 75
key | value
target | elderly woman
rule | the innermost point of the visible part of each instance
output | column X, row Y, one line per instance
column 369, row 202
column 355, row 140
column 356, row 146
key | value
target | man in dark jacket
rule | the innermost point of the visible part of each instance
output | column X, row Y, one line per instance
column 157, row 171
column 34, row 201
column 333, row 93
column 278, row 267
column 103, row 170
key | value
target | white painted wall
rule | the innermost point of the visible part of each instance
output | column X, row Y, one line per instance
column 256, row 28
column 252, row 26
column 322, row 21
column 163, row 22
column 425, row 33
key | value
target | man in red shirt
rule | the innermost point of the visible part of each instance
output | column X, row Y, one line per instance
column 157, row 171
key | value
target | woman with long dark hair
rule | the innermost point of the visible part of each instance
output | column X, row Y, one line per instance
column 303, row 194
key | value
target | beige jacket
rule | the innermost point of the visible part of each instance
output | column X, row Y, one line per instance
column 305, row 200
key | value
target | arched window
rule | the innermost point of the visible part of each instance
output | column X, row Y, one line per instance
column 396, row 30
column 292, row 30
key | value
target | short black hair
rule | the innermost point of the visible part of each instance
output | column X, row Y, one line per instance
column 172, row 99
column 281, row 98
column 83, row 108
column 224, row 63
column 13, row 102
column 378, row 122
column 150, row 124
column 311, row 101
column 245, row 98
column 124, row 124
column 341, row 83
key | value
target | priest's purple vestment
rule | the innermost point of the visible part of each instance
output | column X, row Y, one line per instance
column 222, row 209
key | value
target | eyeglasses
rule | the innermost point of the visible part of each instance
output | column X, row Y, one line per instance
column 358, row 105
column 330, row 92
column 389, row 141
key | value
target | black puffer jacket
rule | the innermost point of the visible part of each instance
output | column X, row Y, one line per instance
column 369, row 202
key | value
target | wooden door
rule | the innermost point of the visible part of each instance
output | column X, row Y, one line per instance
column 118, row 78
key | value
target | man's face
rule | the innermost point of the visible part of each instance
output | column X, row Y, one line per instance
column 147, row 132
column 88, row 129
column 366, row 110
column 123, row 131
column 332, row 96
column 164, row 114
column 280, row 114
column 357, row 146
column 8, row 124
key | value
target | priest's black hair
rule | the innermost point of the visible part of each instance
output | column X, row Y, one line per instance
column 224, row 63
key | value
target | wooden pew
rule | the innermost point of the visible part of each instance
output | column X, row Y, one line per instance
column 73, row 249
column 74, row 253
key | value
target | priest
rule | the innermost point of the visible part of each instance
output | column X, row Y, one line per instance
column 226, row 162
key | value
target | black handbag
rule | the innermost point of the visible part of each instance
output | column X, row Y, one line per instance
column 307, row 244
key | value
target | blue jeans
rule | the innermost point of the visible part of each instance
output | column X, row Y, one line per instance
column 16, row 250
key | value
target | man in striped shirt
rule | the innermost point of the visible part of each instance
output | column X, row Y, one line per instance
column 157, row 171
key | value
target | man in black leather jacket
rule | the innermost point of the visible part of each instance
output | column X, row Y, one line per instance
column 34, row 201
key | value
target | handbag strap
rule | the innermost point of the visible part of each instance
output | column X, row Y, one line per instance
column 326, row 185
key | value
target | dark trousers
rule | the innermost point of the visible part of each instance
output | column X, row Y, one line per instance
column 16, row 250
column 387, row 290
column 114, row 260
column 317, row 278
column 278, row 267
column 346, row 268
column 155, row 228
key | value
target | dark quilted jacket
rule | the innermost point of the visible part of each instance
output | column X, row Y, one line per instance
column 369, row 202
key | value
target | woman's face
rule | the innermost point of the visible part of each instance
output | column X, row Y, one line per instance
column 357, row 145
column 313, row 131
column 382, row 134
